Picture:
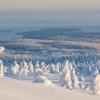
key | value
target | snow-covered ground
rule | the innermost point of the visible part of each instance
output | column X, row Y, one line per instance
column 28, row 82
column 48, row 69
column 11, row 89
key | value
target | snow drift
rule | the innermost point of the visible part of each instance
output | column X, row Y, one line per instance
column 21, row 90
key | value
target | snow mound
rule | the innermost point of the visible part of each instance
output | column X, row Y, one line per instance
column 11, row 89
column 42, row 79
column 46, row 81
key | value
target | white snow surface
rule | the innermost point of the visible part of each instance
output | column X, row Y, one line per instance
column 11, row 89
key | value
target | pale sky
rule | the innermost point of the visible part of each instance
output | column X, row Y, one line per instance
column 51, row 5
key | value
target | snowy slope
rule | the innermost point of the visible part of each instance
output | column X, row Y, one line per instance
column 21, row 90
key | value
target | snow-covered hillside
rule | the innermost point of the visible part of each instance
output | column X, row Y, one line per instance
column 54, row 64
column 53, row 75
column 20, row 90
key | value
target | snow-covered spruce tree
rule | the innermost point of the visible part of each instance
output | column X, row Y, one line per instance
column 38, row 68
column 66, row 76
column 52, row 68
column 44, row 68
column 81, row 82
column 25, row 71
column 15, row 68
column 24, row 68
column 39, row 72
column 96, row 85
column 30, row 65
column 48, row 68
column 23, row 64
column 1, row 69
column 37, row 65
column 2, row 49
column 57, row 67
column 66, row 65
column 70, row 66
column 94, row 73
column 90, row 68
column 75, row 82
column 98, row 65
